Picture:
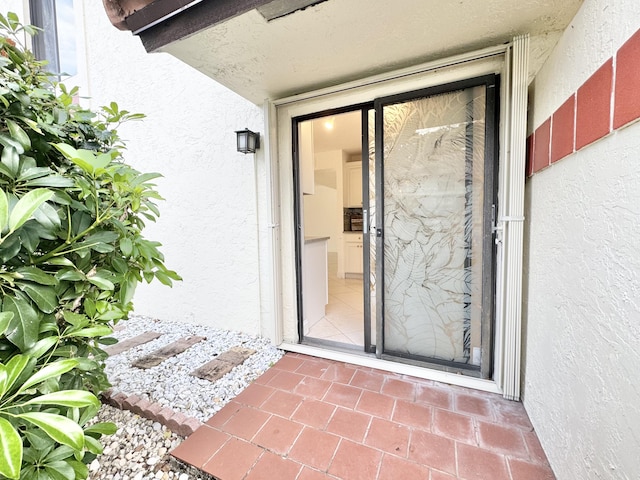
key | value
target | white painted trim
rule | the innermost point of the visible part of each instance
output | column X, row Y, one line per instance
column 505, row 116
column 513, row 207
column 397, row 74
column 274, row 279
column 395, row 367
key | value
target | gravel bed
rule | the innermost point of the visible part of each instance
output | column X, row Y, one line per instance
column 170, row 383
column 139, row 450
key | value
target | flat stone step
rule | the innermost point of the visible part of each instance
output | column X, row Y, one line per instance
column 223, row 363
column 132, row 342
column 168, row 351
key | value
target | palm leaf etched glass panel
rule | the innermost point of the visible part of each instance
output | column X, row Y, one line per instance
column 433, row 171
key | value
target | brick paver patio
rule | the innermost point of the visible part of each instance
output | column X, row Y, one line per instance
column 308, row 418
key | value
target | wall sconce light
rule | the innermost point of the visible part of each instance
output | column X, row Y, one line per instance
column 248, row 141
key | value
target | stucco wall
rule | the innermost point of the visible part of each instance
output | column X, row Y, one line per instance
column 582, row 270
column 208, row 224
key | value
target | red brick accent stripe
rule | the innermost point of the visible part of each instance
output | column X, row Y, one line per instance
column 627, row 93
column 586, row 116
column 563, row 133
column 541, row 148
column 594, row 106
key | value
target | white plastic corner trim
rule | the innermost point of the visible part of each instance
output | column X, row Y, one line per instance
column 511, row 294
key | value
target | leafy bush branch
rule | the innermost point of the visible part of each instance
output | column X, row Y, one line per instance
column 72, row 252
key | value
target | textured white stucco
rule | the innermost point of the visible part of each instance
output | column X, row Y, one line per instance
column 582, row 272
column 208, row 224
column 594, row 35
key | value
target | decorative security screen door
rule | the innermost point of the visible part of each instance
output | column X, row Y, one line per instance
column 434, row 192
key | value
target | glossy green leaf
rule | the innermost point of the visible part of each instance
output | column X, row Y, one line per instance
column 51, row 370
column 70, row 276
column 163, row 278
column 60, row 453
column 47, row 216
column 56, row 181
column 5, row 319
column 59, row 470
column 38, row 440
column 111, row 315
column 30, row 171
column 87, row 364
column 75, row 319
column 126, row 245
column 3, row 380
column 87, row 160
column 15, row 367
column 34, row 274
column 44, row 296
column 42, row 346
column 81, row 470
column 143, row 178
column 11, row 161
column 97, row 331
column 25, row 207
column 103, row 428
column 61, row 262
column 18, row 134
column 66, row 398
column 9, row 142
column 23, row 327
column 93, row 445
column 11, row 451
column 101, row 283
column 59, row 428
column 4, row 210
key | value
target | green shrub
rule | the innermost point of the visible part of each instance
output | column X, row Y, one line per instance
column 72, row 253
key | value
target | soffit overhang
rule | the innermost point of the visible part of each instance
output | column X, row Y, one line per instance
column 335, row 41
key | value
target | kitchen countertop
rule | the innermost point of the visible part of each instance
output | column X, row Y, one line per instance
column 314, row 239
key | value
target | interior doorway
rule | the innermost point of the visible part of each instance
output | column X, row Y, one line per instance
column 331, row 222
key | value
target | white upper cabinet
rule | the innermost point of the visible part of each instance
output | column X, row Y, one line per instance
column 353, row 184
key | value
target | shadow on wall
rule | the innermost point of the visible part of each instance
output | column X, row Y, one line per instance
column 526, row 262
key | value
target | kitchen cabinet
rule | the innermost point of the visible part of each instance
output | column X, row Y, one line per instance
column 306, row 158
column 353, row 184
column 315, row 286
column 353, row 253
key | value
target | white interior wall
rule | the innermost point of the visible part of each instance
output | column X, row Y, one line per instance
column 323, row 209
column 582, row 271
column 319, row 214
column 208, row 224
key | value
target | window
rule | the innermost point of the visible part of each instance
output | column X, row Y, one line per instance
column 56, row 43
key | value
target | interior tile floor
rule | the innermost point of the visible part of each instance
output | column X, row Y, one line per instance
column 344, row 315
column 312, row 419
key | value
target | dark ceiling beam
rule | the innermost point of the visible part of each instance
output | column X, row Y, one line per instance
column 187, row 22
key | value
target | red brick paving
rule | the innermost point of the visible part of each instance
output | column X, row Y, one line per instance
column 313, row 419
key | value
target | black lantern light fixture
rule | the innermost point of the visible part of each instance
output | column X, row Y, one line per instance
column 247, row 141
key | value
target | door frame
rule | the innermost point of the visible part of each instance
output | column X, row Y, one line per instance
column 509, row 60
column 298, row 207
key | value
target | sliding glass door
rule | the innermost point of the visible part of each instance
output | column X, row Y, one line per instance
column 428, row 192
column 434, row 197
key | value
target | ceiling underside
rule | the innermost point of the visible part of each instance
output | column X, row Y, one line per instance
column 341, row 40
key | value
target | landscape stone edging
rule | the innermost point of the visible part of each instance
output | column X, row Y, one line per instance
column 174, row 421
